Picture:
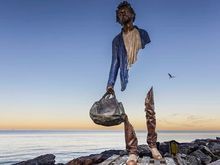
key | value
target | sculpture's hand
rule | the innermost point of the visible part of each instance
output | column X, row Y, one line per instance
column 110, row 90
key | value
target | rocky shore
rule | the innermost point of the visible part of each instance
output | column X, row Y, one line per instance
column 197, row 152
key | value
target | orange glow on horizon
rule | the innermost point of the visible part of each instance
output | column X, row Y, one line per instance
column 91, row 126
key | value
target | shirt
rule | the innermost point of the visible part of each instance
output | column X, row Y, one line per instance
column 132, row 42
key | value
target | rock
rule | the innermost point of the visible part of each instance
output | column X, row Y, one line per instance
column 198, row 152
column 164, row 148
column 87, row 160
column 143, row 150
column 215, row 148
column 167, row 155
column 204, row 159
column 184, row 147
column 192, row 160
column 181, row 159
column 215, row 163
column 95, row 158
column 109, row 153
column 193, row 147
column 207, row 151
column 48, row 159
column 201, row 141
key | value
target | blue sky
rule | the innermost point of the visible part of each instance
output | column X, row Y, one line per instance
column 55, row 58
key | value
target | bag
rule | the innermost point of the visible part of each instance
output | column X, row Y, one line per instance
column 107, row 111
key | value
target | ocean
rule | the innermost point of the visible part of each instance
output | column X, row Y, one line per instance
column 21, row 145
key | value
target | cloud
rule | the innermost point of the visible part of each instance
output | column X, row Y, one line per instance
column 194, row 119
column 188, row 121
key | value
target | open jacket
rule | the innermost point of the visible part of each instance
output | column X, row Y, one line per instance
column 119, row 58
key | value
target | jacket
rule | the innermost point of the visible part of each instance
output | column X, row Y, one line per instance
column 119, row 58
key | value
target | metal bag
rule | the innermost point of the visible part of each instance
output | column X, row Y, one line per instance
column 107, row 111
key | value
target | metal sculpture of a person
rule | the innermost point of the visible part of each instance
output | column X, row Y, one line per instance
column 125, row 47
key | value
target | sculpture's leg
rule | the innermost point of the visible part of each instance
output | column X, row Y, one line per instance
column 130, row 137
column 130, row 141
column 151, row 124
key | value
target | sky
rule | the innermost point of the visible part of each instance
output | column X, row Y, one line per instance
column 55, row 59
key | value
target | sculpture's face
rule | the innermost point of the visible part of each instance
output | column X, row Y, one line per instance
column 125, row 15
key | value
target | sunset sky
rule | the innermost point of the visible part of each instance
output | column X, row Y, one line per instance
column 55, row 59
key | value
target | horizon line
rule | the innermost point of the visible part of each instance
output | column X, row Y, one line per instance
column 107, row 130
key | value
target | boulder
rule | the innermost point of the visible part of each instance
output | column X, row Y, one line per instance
column 215, row 148
column 215, row 163
column 164, row 148
column 143, row 150
column 192, row 160
column 203, row 158
column 95, row 158
column 48, row 159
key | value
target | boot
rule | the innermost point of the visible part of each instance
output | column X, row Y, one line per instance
column 151, row 125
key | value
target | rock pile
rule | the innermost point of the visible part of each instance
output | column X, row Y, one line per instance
column 198, row 152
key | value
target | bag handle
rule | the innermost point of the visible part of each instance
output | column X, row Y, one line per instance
column 107, row 94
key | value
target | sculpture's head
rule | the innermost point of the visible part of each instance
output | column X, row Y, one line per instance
column 125, row 13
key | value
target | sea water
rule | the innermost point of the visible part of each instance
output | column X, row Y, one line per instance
column 21, row 145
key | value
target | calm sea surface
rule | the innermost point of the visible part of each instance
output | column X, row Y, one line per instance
column 16, row 146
